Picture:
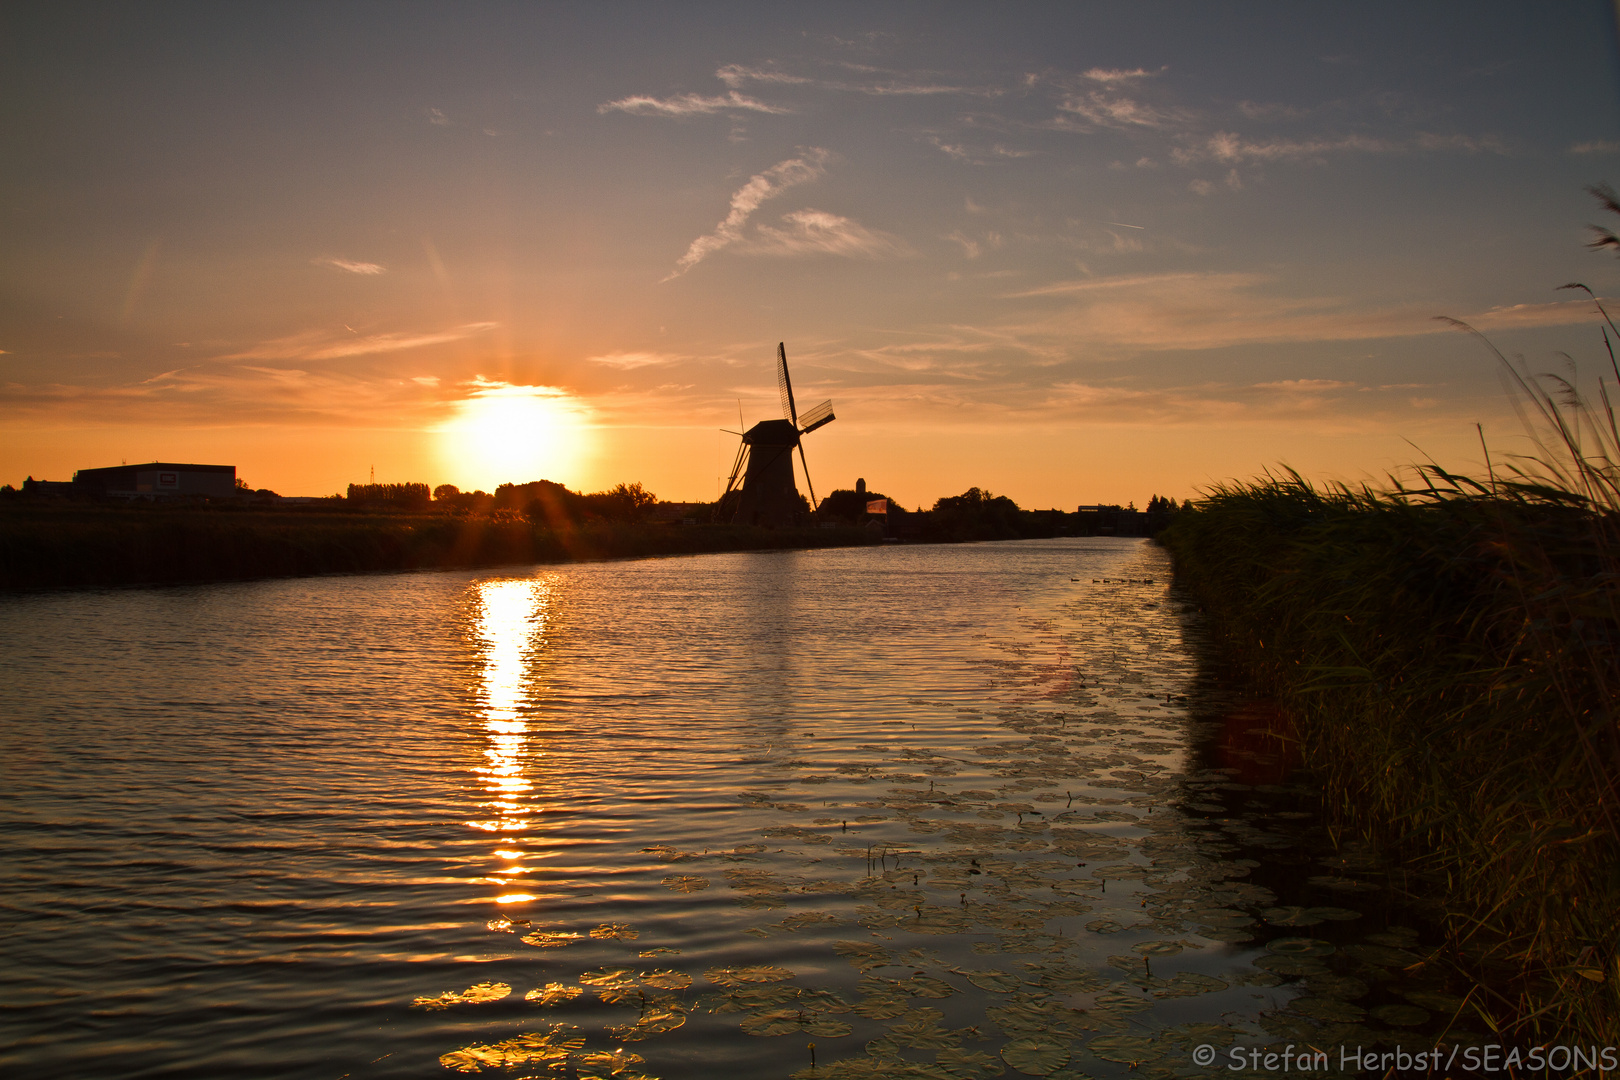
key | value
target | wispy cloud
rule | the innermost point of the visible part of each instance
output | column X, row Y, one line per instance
column 1108, row 108
column 816, row 232
column 1124, row 314
column 978, row 155
column 1516, row 316
column 350, row 265
column 859, row 79
column 629, row 361
column 319, row 345
column 1228, row 147
column 1596, row 146
column 1109, row 98
column 1305, row 386
column 1114, row 76
column 736, row 75
column 247, row 393
column 689, row 105
column 808, row 166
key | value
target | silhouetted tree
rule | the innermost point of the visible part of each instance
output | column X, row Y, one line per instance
column 974, row 515
column 846, row 505
column 390, row 496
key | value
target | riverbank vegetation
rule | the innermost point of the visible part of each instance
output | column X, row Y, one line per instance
column 81, row 546
column 50, row 540
column 1449, row 651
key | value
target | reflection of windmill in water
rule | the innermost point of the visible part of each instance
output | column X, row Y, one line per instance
column 767, row 495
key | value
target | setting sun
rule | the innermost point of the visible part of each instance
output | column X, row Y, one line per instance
column 514, row 434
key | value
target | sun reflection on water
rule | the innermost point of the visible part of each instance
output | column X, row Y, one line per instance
column 510, row 632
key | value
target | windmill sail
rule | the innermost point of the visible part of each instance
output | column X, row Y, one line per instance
column 815, row 417
column 785, row 384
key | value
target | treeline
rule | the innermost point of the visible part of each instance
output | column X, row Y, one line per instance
column 977, row 514
column 542, row 501
column 403, row 496
column 69, row 545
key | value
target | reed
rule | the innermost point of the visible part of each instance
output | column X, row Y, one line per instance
column 1449, row 650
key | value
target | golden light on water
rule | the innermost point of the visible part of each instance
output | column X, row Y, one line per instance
column 509, row 634
column 513, row 434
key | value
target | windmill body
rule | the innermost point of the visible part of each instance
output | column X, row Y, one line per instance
column 767, row 495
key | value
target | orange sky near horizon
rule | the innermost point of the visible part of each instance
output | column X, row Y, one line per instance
column 1069, row 255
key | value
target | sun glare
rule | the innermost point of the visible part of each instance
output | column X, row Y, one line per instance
column 513, row 434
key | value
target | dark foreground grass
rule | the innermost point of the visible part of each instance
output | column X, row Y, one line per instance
column 84, row 547
column 1450, row 655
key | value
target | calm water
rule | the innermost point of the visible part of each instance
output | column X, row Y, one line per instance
column 973, row 808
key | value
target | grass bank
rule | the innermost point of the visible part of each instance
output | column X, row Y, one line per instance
column 84, row 547
column 1449, row 657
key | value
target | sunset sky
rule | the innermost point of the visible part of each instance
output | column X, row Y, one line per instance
column 1069, row 252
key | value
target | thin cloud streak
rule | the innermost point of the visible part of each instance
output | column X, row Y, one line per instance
column 317, row 345
column 1193, row 311
column 689, row 105
column 350, row 265
column 630, row 361
column 816, row 232
column 810, row 165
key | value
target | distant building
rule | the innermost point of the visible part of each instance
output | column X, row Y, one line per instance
column 157, row 479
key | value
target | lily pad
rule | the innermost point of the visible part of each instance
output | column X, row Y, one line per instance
column 607, row 977
column 763, row 973
column 1129, row 1049
column 1300, row 946
column 969, row 1064
column 1190, row 984
column 999, row 982
column 775, row 1022
column 1329, row 1009
column 606, row 1063
column 477, row 994
column 880, row 1006
column 1434, row 999
column 554, row 993
column 1335, row 914
column 1291, row 916
column 553, row 1045
column 863, row 955
column 1291, row 965
column 653, row 1022
column 666, row 979
column 619, row 931
column 920, row 1029
column 1157, row 948
column 1402, row 1015
column 1382, row 955
column 925, row 986
column 685, row 883
column 1343, row 987
column 550, row 939
column 1035, row 1057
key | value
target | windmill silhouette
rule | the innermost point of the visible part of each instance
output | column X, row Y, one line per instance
column 767, row 495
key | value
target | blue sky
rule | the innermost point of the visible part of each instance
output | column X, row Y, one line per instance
column 1067, row 252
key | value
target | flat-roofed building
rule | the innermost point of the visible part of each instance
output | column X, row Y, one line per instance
column 157, row 479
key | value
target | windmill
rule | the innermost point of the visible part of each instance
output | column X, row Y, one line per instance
column 765, row 460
